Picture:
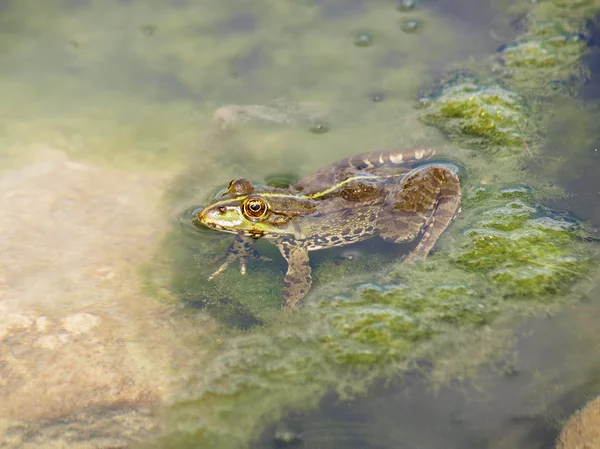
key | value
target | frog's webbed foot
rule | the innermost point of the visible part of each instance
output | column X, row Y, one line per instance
column 240, row 249
column 298, row 279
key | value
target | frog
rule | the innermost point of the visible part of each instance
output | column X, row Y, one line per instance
column 398, row 196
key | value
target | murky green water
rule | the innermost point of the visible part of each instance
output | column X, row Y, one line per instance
column 119, row 117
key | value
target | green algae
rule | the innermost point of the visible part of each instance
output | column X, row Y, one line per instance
column 481, row 117
column 516, row 191
column 548, row 57
column 554, row 56
column 526, row 253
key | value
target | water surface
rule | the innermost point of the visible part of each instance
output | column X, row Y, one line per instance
column 109, row 132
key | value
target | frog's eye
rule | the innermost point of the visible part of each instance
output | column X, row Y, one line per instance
column 240, row 187
column 255, row 208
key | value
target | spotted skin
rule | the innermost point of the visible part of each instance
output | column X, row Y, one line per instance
column 396, row 195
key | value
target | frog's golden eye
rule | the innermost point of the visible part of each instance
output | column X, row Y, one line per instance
column 255, row 208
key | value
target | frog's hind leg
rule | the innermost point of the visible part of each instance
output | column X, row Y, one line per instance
column 446, row 209
column 427, row 202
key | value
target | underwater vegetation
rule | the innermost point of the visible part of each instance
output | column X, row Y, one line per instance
column 506, row 251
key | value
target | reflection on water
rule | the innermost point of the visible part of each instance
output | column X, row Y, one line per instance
column 115, row 127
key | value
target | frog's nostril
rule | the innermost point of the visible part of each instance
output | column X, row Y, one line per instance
column 222, row 209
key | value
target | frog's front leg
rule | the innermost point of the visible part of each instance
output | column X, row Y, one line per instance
column 298, row 280
column 427, row 202
column 240, row 249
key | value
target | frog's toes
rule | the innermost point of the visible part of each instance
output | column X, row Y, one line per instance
column 220, row 270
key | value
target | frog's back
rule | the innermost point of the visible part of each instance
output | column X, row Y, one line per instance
column 362, row 167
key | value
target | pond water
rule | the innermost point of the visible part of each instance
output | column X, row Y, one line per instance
column 120, row 117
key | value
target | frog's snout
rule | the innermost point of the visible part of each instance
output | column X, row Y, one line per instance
column 199, row 217
column 222, row 217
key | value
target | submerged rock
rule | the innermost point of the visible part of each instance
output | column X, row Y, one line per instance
column 583, row 430
column 83, row 352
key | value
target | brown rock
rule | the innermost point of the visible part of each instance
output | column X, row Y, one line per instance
column 583, row 429
column 85, row 357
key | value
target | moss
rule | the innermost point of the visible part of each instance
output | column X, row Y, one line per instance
column 516, row 191
column 482, row 117
column 526, row 252
column 371, row 333
column 548, row 57
column 549, row 53
column 577, row 8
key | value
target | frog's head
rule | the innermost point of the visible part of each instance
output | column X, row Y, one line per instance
column 256, row 212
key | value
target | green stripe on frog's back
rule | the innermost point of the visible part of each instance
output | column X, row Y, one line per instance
column 363, row 162
column 314, row 195
column 338, row 185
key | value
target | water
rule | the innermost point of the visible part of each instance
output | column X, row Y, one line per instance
column 117, row 117
column 580, row 148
